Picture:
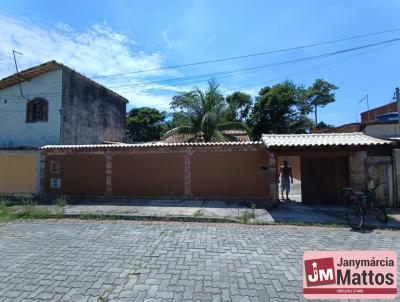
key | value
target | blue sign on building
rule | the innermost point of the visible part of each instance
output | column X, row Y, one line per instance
column 387, row 117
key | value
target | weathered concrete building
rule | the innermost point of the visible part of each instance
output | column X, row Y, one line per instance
column 53, row 105
column 58, row 106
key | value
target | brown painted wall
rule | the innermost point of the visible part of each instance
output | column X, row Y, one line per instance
column 229, row 174
column 151, row 174
column 179, row 172
column 80, row 174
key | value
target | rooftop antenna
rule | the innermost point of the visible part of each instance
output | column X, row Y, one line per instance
column 18, row 77
column 360, row 101
column 23, row 96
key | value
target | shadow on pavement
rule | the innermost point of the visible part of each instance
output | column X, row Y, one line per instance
column 291, row 211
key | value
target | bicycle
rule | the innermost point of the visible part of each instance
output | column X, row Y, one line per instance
column 358, row 204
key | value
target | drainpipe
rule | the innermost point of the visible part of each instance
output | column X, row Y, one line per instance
column 61, row 126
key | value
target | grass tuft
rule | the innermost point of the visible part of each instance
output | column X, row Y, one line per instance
column 198, row 213
column 5, row 212
column 32, row 211
column 246, row 216
column 61, row 201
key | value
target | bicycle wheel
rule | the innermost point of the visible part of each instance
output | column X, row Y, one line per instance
column 355, row 216
column 379, row 210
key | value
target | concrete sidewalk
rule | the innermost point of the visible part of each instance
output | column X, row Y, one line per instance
column 200, row 210
column 289, row 211
column 147, row 208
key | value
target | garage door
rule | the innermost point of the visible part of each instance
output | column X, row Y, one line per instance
column 322, row 179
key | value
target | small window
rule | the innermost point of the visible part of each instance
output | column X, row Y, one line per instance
column 54, row 166
column 37, row 110
column 55, row 183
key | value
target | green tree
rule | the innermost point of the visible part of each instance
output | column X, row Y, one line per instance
column 319, row 94
column 280, row 109
column 203, row 115
column 239, row 105
column 145, row 124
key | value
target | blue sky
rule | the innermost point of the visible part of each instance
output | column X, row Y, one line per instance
column 113, row 37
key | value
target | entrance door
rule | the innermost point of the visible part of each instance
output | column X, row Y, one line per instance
column 322, row 179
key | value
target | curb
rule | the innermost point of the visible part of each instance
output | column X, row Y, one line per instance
column 149, row 218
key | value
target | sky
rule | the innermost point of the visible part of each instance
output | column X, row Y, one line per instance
column 113, row 41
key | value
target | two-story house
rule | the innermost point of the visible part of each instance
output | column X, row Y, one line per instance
column 51, row 104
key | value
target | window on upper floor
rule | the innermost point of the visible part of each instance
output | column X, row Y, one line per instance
column 37, row 110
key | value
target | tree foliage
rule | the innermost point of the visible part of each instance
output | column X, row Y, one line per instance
column 145, row 124
column 319, row 94
column 239, row 105
column 280, row 109
column 202, row 115
column 207, row 115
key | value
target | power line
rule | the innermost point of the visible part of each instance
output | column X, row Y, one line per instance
column 229, row 73
column 292, row 74
column 252, row 55
column 233, row 71
column 241, row 57
column 317, row 67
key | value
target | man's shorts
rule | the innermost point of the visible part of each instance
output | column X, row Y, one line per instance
column 285, row 185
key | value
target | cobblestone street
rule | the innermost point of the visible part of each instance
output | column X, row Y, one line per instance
column 125, row 261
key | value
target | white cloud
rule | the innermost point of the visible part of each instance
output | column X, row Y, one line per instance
column 210, row 39
column 144, row 99
column 64, row 27
column 98, row 50
column 166, row 38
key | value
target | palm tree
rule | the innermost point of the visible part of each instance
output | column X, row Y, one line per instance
column 202, row 116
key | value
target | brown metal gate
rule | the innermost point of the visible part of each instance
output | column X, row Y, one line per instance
column 322, row 179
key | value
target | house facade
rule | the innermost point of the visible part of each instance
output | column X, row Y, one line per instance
column 224, row 170
column 329, row 162
column 56, row 105
column 227, row 170
column 51, row 104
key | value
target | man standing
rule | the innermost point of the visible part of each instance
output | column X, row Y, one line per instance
column 285, row 174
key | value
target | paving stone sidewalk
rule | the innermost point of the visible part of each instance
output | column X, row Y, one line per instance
column 72, row 260
column 285, row 211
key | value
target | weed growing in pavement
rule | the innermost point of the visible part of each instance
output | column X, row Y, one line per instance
column 32, row 211
column 5, row 212
column 198, row 213
column 253, row 208
column 61, row 201
column 246, row 216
